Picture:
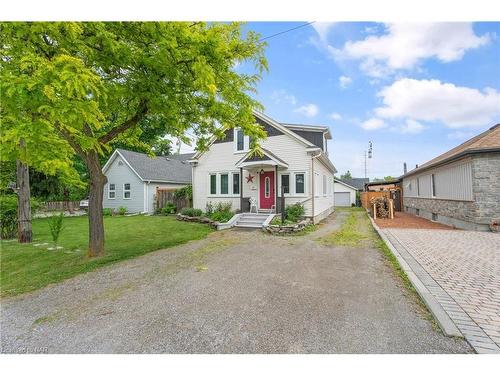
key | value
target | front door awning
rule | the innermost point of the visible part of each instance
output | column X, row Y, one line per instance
column 265, row 158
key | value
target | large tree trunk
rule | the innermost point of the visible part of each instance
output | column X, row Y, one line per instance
column 24, row 231
column 96, row 222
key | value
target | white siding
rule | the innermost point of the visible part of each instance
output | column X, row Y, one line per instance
column 452, row 181
column 119, row 173
column 341, row 188
column 222, row 158
column 323, row 200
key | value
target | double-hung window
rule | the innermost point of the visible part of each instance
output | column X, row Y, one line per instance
column 126, row 191
column 213, row 184
column 236, row 183
column 224, row 182
column 285, row 183
column 299, row 183
column 240, row 140
column 111, row 191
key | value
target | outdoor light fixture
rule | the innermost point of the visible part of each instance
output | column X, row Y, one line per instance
column 262, row 171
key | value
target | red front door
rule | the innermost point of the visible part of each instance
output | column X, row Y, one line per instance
column 266, row 190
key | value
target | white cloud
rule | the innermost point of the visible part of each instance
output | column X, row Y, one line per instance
column 459, row 134
column 308, row 110
column 323, row 28
column 433, row 100
column 373, row 124
column 344, row 81
column 411, row 127
column 405, row 45
column 281, row 96
column 335, row 116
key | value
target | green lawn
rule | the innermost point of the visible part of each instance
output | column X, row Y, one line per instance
column 26, row 267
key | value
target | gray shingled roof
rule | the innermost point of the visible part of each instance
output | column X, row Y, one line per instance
column 172, row 168
column 358, row 183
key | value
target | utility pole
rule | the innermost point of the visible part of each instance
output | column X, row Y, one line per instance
column 370, row 152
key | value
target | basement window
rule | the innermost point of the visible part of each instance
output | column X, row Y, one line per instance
column 434, row 217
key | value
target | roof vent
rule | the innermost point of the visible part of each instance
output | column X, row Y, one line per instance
column 120, row 162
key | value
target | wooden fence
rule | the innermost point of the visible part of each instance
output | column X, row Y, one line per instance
column 163, row 196
column 62, row 206
column 367, row 196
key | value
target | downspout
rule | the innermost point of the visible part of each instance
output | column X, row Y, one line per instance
column 312, row 183
column 147, row 196
column 241, row 189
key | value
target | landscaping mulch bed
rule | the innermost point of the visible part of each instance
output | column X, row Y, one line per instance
column 405, row 220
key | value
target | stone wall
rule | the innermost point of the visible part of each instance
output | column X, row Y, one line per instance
column 472, row 215
column 486, row 187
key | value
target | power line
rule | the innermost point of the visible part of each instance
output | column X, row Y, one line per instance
column 286, row 31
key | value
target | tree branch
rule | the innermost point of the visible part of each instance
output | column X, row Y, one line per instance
column 131, row 122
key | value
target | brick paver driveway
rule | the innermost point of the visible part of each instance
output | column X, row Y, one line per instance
column 466, row 267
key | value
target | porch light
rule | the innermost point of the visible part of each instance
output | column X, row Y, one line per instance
column 262, row 171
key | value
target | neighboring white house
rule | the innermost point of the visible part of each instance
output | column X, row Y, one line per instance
column 295, row 158
column 345, row 194
column 133, row 178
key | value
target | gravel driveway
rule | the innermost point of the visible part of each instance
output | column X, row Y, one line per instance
column 233, row 292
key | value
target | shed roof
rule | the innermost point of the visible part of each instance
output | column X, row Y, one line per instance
column 171, row 168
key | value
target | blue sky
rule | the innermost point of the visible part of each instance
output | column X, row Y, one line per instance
column 414, row 90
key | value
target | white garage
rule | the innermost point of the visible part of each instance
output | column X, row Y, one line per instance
column 345, row 195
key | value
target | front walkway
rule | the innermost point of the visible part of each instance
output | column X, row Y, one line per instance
column 462, row 270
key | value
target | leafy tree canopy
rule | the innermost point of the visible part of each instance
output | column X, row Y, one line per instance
column 346, row 176
column 90, row 84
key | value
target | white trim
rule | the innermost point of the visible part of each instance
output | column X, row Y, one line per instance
column 325, row 186
column 242, row 163
column 113, row 156
column 129, row 190
column 246, row 142
column 343, row 183
column 109, row 191
column 289, row 183
column 218, row 194
column 305, row 193
column 271, row 122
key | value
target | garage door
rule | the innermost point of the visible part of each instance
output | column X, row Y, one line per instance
column 342, row 199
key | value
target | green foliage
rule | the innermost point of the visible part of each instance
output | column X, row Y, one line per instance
column 169, row 208
column 107, row 212
column 192, row 212
column 7, row 174
column 294, row 212
column 56, row 226
column 27, row 267
column 162, row 147
column 83, row 88
column 222, row 212
column 122, row 210
column 84, row 85
column 8, row 216
column 352, row 232
column 184, row 193
column 209, row 209
column 346, row 176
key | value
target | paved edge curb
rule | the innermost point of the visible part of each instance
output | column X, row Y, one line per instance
column 444, row 321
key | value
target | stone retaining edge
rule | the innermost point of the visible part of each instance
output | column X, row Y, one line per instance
column 447, row 325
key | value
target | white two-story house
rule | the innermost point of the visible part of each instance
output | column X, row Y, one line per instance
column 294, row 161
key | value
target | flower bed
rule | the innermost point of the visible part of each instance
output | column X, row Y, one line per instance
column 288, row 228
